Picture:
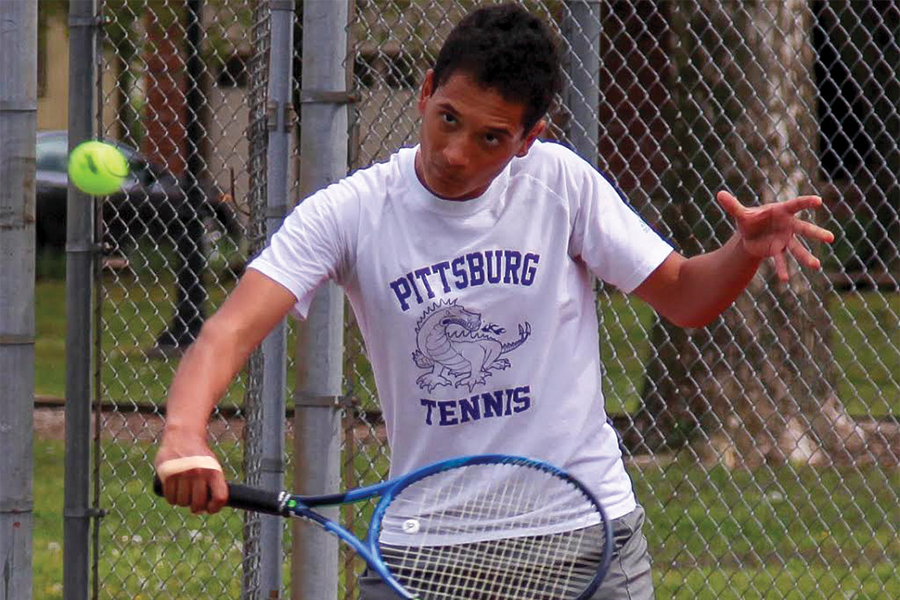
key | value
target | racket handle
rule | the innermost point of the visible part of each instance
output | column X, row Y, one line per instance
column 243, row 497
column 255, row 499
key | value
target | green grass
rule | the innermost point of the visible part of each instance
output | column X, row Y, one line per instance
column 867, row 347
column 795, row 581
column 625, row 329
column 701, row 517
column 133, row 313
column 50, row 340
column 134, row 310
column 865, row 343
column 47, row 543
column 146, row 546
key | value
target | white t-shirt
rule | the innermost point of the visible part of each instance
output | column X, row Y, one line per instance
column 479, row 316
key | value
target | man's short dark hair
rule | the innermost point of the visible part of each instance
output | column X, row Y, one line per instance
column 508, row 49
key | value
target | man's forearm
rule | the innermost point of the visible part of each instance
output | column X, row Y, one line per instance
column 226, row 340
column 203, row 376
column 709, row 283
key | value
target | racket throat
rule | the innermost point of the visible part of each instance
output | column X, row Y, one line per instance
column 290, row 506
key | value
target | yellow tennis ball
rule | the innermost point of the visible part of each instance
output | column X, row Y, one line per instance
column 97, row 168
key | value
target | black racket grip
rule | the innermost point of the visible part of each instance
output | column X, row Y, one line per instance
column 243, row 497
column 255, row 499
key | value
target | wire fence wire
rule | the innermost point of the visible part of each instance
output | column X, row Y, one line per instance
column 765, row 447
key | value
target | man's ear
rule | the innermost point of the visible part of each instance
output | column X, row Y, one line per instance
column 532, row 135
column 426, row 90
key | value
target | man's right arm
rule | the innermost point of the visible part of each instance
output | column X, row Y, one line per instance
column 250, row 312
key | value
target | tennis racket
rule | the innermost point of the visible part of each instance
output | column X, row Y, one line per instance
column 486, row 527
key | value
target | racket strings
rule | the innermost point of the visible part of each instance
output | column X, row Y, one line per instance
column 554, row 566
column 487, row 514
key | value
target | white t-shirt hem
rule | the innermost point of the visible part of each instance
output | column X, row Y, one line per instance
column 659, row 253
column 620, row 509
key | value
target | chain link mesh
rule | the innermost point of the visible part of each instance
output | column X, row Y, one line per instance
column 764, row 447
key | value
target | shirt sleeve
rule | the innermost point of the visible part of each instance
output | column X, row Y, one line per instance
column 316, row 242
column 615, row 243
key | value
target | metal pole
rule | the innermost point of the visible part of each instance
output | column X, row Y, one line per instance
column 323, row 152
column 274, row 347
column 18, row 124
column 80, row 249
column 581, row 29
column 258, row 71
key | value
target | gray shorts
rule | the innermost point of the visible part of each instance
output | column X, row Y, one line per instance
column 628, row 577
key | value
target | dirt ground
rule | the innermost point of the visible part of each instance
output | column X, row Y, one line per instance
column 50, row 423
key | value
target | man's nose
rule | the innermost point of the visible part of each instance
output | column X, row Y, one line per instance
column 456, row 153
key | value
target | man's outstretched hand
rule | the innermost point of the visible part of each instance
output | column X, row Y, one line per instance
column 771, row 230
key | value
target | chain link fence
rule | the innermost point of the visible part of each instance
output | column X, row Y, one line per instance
column 765, row 448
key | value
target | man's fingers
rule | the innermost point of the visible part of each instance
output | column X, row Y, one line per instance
column 170, row 491
column 774, row 229
column 199, row 494
column 729, row 203
column 219, row 492
column 733, row 206
column 183, row 491
column 803, row 203
column 813, row 232
column 202, row 491
column 781, row 268
column 810, row 201
column 803, row 255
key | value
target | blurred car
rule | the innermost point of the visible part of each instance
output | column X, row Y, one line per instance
column 152, row 201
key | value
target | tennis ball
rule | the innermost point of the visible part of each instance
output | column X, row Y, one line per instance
column 97, row 168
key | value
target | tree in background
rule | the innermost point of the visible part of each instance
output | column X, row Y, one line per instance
column 758, row 385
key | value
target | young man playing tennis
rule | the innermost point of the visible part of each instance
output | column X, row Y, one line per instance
column 480, row 234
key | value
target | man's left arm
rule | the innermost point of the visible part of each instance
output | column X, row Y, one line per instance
column 691, row 292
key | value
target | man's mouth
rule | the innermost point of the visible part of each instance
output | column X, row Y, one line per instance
column 447, row 175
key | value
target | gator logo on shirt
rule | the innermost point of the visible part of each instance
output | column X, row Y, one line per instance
column 458, row 348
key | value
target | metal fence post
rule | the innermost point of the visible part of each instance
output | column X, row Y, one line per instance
column 253, row 408
column 79, row 305
column 323, row 152
column 581, row 29
column 18, row 123
column 274, row 347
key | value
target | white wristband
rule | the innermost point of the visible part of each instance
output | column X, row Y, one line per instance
column 179, row 465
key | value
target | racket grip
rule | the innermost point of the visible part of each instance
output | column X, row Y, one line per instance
column 255, row 499
column 243, row 497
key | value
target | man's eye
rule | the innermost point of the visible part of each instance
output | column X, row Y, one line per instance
column 492, row 139
column 448, row 118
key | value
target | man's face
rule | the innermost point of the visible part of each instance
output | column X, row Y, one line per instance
column 469, row 134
